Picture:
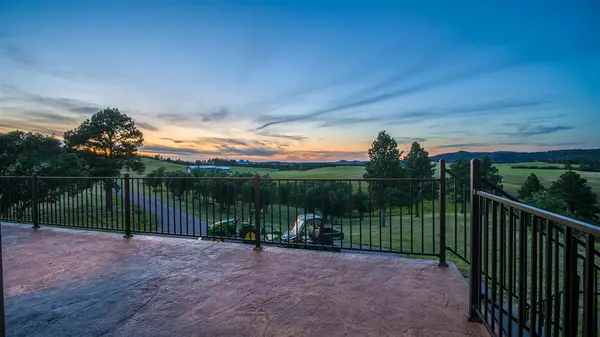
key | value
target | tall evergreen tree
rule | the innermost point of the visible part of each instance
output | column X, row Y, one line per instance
column 384, row 162
column 578, row 196
column 530, row 186
column 418, row 165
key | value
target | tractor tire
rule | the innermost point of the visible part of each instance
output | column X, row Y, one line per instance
column 248, row 235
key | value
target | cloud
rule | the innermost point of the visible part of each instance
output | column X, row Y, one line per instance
column 195, row 118
column 85, row 110
column 176, row 141
column 428, row 114
column 146, row 126
column 219, row 115
column 279, row 135
column 26, row 58
column 51, row 117
column 31, row 128
column 511, row 143
column 409, row 140
column 67, row 104
column 221, row 151
column 427, row 85
column 250, row 151
column 447, row 146
column 171, row 150
column 538, row 130
column 221, row 141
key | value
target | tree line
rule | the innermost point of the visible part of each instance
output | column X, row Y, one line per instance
column 101, row 146
column 280, row 166
column 569, row 195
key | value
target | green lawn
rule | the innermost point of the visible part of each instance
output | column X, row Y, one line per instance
column 87, row 209
column 512, row 178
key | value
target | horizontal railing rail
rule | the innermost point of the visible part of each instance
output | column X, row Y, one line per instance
column 557, row 218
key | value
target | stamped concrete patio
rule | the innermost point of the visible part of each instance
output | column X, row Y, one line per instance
column 76, row 283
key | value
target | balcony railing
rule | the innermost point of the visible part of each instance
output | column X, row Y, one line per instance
column 530, row 271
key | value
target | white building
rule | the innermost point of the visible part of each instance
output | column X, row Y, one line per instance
column 208, row 167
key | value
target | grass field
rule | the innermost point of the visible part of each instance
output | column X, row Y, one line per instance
column 512, row 178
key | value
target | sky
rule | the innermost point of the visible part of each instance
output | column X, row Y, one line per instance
column 307, row 80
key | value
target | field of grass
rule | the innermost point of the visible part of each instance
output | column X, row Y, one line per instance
column 512, row 178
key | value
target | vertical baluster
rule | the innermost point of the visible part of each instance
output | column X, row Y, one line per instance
column 534, row 274
column 522, row 272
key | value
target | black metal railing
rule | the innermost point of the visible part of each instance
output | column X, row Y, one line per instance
column 457, row 217
column 404, row 215
column 532, row 272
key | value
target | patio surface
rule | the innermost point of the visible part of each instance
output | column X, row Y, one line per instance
column 76, row 283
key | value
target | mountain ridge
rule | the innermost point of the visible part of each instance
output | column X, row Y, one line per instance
column 517, row 157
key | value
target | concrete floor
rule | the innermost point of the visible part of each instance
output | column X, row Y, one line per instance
column 74, row 283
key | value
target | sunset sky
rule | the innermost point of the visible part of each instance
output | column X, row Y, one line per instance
column 307, row 80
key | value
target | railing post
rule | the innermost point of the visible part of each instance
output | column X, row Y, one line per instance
column 475, row 266
column 570, row 284
column 2, row 314
column 442, row 172
column 34, row 202
column 590, row 310
column 127, row 203
column 257, row 218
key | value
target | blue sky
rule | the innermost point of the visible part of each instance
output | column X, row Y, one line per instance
column 308, row 80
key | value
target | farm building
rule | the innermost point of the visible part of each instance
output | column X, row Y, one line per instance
column 208, row 167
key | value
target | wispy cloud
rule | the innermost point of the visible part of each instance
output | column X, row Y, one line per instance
column 176, row 141
column 409, row 140
column 432, row 113
column 26, row 58
column 173, row 150
column 61, row 103
column 146, row 126
column 448, row 146
column 280, row 135
column 537, row 130
column 510, row 143
column 219, row 115
column 424, row 86
column 187, row 119
column 221, row 151
column 31, row 128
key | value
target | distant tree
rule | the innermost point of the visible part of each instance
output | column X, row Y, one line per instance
column 154, row 180
column 548, row 201
column 490, row 173
column 107, row 142
column 25, row 154
column 360, row 203
column 568, row 164
column 176, row 185
column 578, row 196
column 384, row 162
column 338, row 199
column 530, row 186
column 418, row 165
column 284, row 192
column 459, row 188
column 332, row 199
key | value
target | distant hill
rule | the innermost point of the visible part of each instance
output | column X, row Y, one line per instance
column 519, row 157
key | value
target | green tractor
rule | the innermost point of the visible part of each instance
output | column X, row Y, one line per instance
column 233, row 229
